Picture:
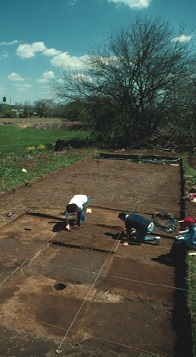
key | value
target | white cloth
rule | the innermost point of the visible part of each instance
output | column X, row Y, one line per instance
column 79, row 200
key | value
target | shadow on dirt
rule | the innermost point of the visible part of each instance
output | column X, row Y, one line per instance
column 60, row 226
column 116, row 236
column 108, row 226
column 181, row 319
column 43, row 215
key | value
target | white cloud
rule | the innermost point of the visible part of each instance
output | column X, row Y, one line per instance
column 51, row 52
column 28, row 51
column 65, row 60
column 4, row 54
column 15, row 77
column 133, row 4
column 48, row 74
column 24, row 88
column 9, row 43
column 46, row 77
column 60, row 81
column 27, row 85
column 81, row 77
column 42, row 80
column 45, row 93
column 72, row 3
column 182, row 38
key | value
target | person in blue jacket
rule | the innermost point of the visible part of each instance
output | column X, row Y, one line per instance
column 76, row 205
column 186, row 239
column 140, row 226
column 184, row 242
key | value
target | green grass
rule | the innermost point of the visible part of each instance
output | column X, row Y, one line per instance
column 190, row 173
column 15, row 140
column 33, row 150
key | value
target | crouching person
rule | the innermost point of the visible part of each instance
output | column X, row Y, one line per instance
column 76, row 205
column 141, row 226
column 185, row 241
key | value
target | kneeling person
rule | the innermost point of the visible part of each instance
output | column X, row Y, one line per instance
column 142, row 226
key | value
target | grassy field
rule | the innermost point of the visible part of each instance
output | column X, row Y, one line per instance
column 15, row 139
column 26, row 153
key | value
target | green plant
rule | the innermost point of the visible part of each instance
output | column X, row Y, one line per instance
column 41, row 147
column 30, row 148
column 189, row 173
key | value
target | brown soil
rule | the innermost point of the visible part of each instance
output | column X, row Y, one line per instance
column 82, row 293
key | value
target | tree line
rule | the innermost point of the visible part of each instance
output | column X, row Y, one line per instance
column 43, row 108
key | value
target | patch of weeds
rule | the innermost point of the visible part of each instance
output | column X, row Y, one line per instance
column 31, row 148
column 41, row 147
column 191, row 282
column 36, row 165
column 190, row 173
column 11, row 176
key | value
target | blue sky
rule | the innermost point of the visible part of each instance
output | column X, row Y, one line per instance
column 39, row 36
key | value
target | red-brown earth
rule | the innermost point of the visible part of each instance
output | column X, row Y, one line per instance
column 82, row 293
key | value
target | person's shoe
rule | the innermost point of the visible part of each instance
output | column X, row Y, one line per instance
column 157, row 240
column 179, row 237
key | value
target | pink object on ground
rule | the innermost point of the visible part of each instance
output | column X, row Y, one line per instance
column 192, row 197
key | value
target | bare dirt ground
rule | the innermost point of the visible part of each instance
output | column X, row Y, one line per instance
column 39, row 123
column 82, row 293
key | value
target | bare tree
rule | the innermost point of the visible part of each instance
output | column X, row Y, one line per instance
column 28, row 109
column 42, row 107
column 130, row 85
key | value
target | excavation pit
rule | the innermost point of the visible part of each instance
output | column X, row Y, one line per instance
column 115, row 296
column 59, row 286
